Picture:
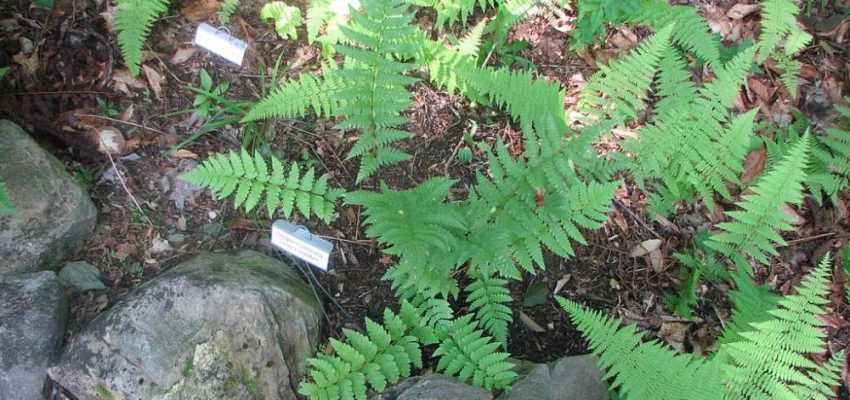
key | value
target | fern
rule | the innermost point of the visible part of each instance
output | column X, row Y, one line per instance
column 643, row 370
column 753, row 230
column 133, row 20
column 286, row 18
column 295, row 97
column 690, row 31
column 766, row 362
column 778, row 343
column 450, row 12
column 487, row 297
column 464, row 352
column 594, row 14
column 376, row 97
column 6, row 206
column 380, row 357
column 621, row 88
column 228, row 8
column 247, row 178
column 830, row 172
column 780, row 29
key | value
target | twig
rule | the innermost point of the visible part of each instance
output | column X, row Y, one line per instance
column 640, row 221
column 124, row 122
column 806, row 239
column 121, row 179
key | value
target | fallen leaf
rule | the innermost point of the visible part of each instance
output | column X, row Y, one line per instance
column 621, row 222
column 529, row 323
column 674, row 334
column 159, row 245
column 614, row 284
column 656, row 260
column 645, row 247
column 109, row 17
column 754, row 165
column 536, row 294
column 739, row 11
column 561, row 282
column 183, row 153
column 127, row 114
column 183, row 55
column 154, row 80
column 797, row 218
column 30, row 64
column 200, row 9
column 181, row 223
column 123, row 80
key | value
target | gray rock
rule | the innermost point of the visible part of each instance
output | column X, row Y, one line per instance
column 534, row 383
column 433, row 387
column 220, row 326
column 54, row 216
column 579, row 377
column 81, row 276
column 33, row 312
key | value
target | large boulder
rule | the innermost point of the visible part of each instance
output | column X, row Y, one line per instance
column 54, row 216
column 33, row 312
column 569, row 378
column 220, row 326
column 433, row 387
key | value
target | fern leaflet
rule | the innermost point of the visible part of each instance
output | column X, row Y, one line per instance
column 228, row 8
column 464, row 352
column 247, row 178
column 488, row 296
column 133, row 20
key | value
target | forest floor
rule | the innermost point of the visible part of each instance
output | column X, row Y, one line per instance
column 68, row 80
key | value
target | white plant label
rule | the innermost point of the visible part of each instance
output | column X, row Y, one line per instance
column 299, row 242
column 221, row 43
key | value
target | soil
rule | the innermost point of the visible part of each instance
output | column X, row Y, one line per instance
column 64, row 60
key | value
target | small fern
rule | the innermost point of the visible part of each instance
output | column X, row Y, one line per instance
column 286, row 18
column 780, row 29
column 465, row 352
column 295, row 97
column 228, row 8
column 830, row 172
column 488, row 297
column 133, row 20
column 6, row 206
column 690, row 31
column 247, row 178
column 753, row 229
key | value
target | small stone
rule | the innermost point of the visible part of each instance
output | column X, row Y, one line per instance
column 212, row 230
column 212, row 214
column 176, row 238
column 81, row 276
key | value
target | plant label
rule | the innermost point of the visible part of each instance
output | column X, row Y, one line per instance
column 221, row 43
column 299, row 242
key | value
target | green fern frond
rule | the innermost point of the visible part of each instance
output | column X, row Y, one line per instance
column 247, row 178
column 621, row 88
column 466, row 353
column 751, row 305
column 488, row 297
column 753, row 229
column 293, row 98
column 444, row 62
column 770, row 362
column 780, row 29
column 691, row 31
column 228, row 8
column 791, row 75
column 431, row 275
column 3, row 72
column 830, row 171
column 133, row 20
column 376, row 98
column 450, row 12
column 642, row 370
column 380, row 357
column 6, row 206
column 286, row 18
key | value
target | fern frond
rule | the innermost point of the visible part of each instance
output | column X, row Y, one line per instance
column 753, row 230
column 770, row 362
column 133, row 21
column 780, row 29
column 294, row 98
column 830, row 171
column 487, row 297
column 380, row 357
column 6, row 206
column 791, row 75
column 751, row 305
column 620, row 89
column 466, row 353
column 450, row 12
column 376, row 98
column 690, row 31
column 445, row 62
column 643, row 370
column 431, row 275
column 228, row 8
column 247, row 178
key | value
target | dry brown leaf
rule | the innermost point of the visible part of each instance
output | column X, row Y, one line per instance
column 561, row 282
column 529, row 323
column 29, row 64
column 645, row 247
column 109, row 17
column 183, row 55
column 759, row 89
column 656, row 260
column 754, row 165
column 123, row 81
column 200, row 9
column 674, row 333
column 620, row 220
column 183, row 153
column 127, row 114
column 739, row 11
column 155, row 80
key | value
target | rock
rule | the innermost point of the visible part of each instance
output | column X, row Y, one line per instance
column 570, row 378
column 54, row 216
column 220, row 326
column 433, row 387
column 33, row 312
column 81, row 276
column 176, row 238
column 579, row 377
